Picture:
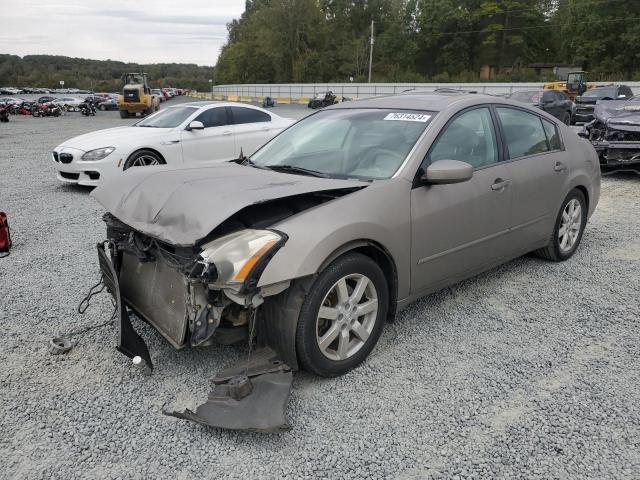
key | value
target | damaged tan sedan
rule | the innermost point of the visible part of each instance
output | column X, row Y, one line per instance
column 305, row 249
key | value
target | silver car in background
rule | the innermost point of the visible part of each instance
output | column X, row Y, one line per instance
column 340, row 221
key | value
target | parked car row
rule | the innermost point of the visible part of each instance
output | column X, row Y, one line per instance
column 169, row 91
column 558, row 103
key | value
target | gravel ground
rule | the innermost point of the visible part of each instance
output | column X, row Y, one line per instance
column 528, row 371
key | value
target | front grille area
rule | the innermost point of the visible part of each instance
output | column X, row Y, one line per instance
column 622, row 136
column 622, row 155
column 132, row 95
column 70, row 176
column 65, row 157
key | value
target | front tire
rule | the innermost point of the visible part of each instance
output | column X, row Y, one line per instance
column 124, row 114
column 342, row 317
column 143, row 158
column 568, row 229
column 567, row 118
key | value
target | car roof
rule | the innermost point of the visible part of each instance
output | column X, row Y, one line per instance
column 419, row 101
column 206, row 103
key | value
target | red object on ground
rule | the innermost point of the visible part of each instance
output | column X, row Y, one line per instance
column 5, row 236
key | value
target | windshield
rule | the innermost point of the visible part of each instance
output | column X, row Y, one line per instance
column 527, row 97
column 347, row 143
column 601, row 93
column 168, row 118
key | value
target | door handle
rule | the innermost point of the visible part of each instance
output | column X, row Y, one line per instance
column 560, row 167
column 227, row 133
column 499, row 184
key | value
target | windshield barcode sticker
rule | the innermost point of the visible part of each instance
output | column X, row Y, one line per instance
column 408, row 117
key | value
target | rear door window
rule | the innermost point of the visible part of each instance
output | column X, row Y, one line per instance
column 523, row 132
column 248, row 115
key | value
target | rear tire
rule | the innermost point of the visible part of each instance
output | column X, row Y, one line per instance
column 566, row 119
column 354, row 297
column 568, row 229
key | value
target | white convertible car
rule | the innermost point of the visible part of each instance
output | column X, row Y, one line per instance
column 198, row 132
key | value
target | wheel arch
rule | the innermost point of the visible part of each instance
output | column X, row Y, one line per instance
column 281, row 312
column 379, row 254
column 585, row 192
column 150, row 149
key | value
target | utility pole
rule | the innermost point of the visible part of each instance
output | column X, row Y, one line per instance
column 371, row 52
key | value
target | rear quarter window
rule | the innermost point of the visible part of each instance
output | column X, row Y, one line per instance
column 553, row 136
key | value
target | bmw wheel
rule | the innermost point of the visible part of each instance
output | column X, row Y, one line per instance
column 143, row 158
column 342, row 317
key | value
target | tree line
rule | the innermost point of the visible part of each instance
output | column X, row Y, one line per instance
column 100, row 75
column 429, row 40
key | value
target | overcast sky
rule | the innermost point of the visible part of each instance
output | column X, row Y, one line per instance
column 143, row 31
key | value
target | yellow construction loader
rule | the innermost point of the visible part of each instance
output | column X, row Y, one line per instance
column 575, row 85
column 136, row 96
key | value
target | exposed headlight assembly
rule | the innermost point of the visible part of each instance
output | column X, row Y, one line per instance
column 97, row 154
column 240, row 257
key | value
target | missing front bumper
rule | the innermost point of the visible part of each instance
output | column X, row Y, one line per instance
column 618, row 156
column 252, row 395
column 129, row 342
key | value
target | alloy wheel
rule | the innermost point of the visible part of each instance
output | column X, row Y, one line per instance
column 346, row 317
column 145, row 160
column 570, row 225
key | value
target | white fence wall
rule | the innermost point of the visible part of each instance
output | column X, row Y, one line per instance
column 296, row 91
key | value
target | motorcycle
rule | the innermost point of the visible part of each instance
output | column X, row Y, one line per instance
column 87, row 109
column 25, row 108
column 46, row 110
column 268, row 102
column 323, row 100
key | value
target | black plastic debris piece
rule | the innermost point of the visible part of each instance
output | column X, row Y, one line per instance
column 250, row 396
column 129, row 342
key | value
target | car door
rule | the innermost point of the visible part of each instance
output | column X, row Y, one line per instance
column 253, row 128
column 461, row 229
column 539, row 170
column 214, row 143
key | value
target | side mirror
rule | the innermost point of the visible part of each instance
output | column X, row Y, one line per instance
column 583, row 134
column 447, row 171
column 195, row 125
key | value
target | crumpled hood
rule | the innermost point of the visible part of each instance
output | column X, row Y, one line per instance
column 183, row 205
column 113, row 137
column 619, row 114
